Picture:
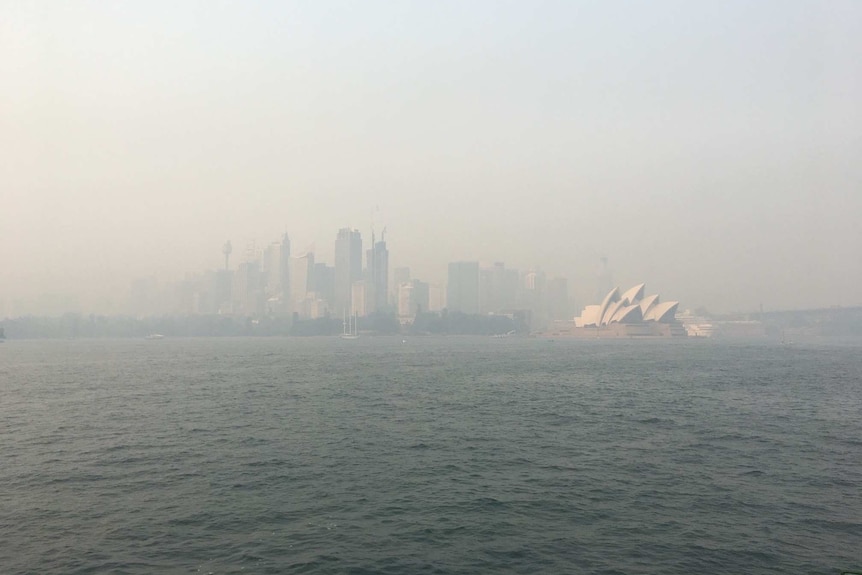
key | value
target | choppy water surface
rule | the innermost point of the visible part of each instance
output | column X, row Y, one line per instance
column 437, row 455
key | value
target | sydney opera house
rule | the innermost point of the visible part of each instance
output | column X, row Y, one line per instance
column 628, row 314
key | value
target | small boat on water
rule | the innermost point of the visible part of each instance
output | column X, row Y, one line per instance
column 155, row 336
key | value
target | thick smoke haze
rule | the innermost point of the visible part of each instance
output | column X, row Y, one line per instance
column 709, row 149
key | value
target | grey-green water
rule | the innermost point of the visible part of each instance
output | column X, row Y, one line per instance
column 434, row 455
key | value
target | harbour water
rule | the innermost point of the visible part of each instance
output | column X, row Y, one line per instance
column 431, row 455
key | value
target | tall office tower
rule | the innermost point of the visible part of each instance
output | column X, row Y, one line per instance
column 535, row 298
column 323, row 283
column 378, row 275
column 558, row 299
column 534, row 281
column 497, row 289
column 487, row 303
column 222, row 291
column 413, row 298
column 421, row 295
column 511, row 289
column 462, row 288
column 301, row 268
column 399, row 276
column 248, row 289
column 405, row 300
column 284, row 273
column 498, row 280
column 348, row 267
column 272, row 269
column 436, row 297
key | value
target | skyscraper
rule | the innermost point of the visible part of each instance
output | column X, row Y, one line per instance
column 412, row 298
column 558, row 299
column 323, row 283
column 378, row 274
column 247, row 290
column 348, row 267
column 399, row 276
column 487, row 291
column 284, row 272
column 272, row 269
column 300, row 273
column 535, row 300
column 462, row 289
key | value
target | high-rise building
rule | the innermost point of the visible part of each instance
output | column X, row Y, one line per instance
column 462, row 288
column 436, row 297
column 272, row 269
column 400, row 275
column 535, row 299
column 348, row 267
column 248, row 289
column 284, row 272
column 487, row 293
column 222, row 291
column 377, row 267
column 558, row 299
column 301, row 269
column 413, row 297
column 505, row 289
column 323, row 283
column 498, row 289
column 405, row 300
column 511, row 289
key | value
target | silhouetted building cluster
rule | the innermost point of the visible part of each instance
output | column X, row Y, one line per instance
column 273, row 282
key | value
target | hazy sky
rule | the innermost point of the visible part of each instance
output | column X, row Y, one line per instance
column 711, row 149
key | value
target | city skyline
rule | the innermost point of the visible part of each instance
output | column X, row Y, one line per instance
column 711, row 150
column 273, row 282
column 254, row 258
